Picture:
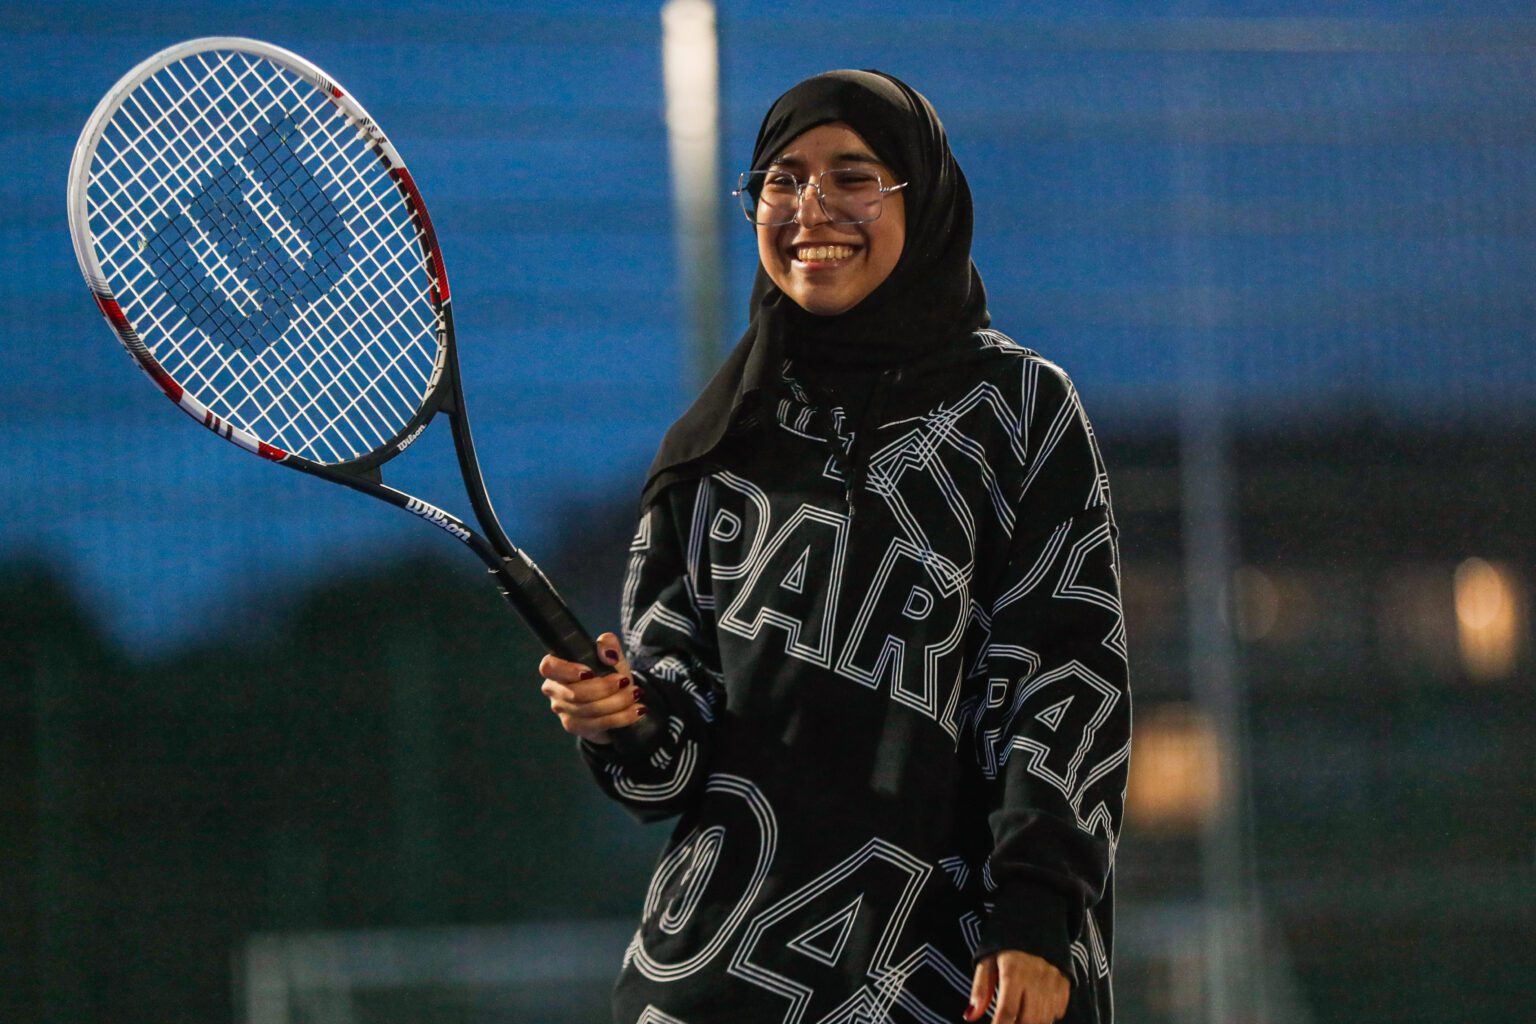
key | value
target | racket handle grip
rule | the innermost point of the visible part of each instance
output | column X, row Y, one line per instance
column 631, row 741
column 535, row 599
column 552, row 621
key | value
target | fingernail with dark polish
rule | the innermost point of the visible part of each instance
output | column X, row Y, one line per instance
column 641, row 712
column 585, row 675
column 639, row 694
column 612, row 656
column 623, row 682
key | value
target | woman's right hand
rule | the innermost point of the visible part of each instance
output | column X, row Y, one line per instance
column 589, row 705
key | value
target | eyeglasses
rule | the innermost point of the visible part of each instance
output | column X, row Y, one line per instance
column 846, row 195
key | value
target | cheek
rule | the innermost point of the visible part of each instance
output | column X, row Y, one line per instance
column 767, row 248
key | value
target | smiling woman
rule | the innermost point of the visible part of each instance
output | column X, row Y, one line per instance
column 873, row 602
column 831, row 253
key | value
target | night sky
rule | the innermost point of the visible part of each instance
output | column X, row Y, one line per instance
column 1312, row 218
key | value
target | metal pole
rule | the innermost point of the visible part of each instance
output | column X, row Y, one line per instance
column 691, row 77
column 1234, row 960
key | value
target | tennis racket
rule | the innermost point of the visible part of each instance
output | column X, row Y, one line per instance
column 261, row 251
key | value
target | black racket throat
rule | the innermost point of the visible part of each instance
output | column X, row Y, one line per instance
column 519, row 579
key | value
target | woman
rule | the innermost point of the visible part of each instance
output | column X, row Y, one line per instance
column 874, row 601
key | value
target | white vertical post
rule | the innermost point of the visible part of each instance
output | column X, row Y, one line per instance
column 690, row 63
column 1235, row 986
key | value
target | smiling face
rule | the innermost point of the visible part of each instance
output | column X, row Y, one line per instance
column 830, row 268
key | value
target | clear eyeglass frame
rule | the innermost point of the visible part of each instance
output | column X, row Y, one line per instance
column 747, row 196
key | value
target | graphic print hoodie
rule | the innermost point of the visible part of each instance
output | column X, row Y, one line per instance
column 891, row 663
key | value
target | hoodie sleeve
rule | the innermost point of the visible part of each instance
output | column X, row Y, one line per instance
column 1054, row 717
column 673, row 658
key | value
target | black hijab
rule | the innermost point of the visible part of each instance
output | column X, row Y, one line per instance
column 932, row 299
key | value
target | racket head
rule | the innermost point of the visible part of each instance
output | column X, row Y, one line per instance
column 262, row 252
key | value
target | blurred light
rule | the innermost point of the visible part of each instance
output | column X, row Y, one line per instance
column 690, row 67
column 1274, row 606
column 1488, row 618
column 1175, row 781
column 1256, row 600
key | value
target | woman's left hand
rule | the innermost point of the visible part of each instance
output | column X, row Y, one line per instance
column 1029, row 990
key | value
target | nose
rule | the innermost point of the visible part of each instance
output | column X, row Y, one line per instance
column 810, row 210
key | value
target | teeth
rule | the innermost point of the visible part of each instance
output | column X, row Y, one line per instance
column 816, row 253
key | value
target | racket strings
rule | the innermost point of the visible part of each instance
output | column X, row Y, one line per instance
column 317, row 433
column 348, row 369
column 199, row 368
column 192, row 369
column 268, row 260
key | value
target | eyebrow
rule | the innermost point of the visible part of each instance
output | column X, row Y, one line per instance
column 850, row 156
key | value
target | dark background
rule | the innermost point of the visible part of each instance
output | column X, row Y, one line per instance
column 1285, row 251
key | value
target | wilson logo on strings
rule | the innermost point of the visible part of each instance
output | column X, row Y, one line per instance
column 254, row 246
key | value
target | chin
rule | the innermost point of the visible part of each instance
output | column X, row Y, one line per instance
column 819, row 303
column 824, row 308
